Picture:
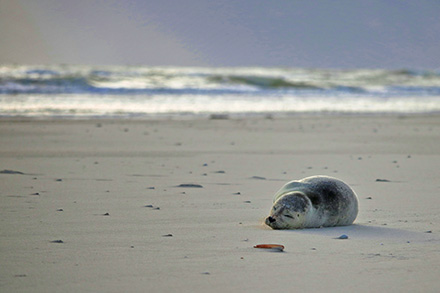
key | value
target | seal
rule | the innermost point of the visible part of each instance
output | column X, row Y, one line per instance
column 313, row 202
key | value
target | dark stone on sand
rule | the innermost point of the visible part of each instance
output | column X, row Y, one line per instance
column 20, row 276
column 237, row 193
column 11, row 172
column 59, row 180
column 428, row 231
column 247, row 201
column 152, row 207
column 57, row 241
column 106, row 214
column 151, row 187
column 60, row 210
column 167, row 235
column 343, row 236
column 382, row 180
column 190, row 185
column 220, row 172
column 369, row 197
column 258, row 177
column 36, row 193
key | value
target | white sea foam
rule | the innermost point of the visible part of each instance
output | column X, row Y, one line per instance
column 80, row 91
column 81, row 106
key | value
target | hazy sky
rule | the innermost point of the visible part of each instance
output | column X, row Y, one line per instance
column 288, row 33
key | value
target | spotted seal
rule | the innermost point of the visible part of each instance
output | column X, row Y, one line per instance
column 313, row 202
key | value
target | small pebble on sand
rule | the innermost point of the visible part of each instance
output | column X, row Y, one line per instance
column 190, row 185
column 57, row 241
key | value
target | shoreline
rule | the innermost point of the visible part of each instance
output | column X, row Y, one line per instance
column 216, row 116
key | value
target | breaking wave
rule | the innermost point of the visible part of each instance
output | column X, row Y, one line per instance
column 106, row 90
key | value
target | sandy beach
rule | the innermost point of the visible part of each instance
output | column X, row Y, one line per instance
column 97, row 206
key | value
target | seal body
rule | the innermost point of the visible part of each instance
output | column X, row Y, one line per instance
column 313, row 202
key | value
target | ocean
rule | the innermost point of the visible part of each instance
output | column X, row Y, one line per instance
column 66, row 91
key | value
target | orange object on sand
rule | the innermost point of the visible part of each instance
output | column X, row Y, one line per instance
column 274, row 247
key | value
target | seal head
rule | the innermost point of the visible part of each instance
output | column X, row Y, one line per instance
column 289, row 211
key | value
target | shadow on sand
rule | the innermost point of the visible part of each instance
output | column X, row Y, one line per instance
column 365, row 231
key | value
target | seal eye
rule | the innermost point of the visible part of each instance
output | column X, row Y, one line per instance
column 288, row 216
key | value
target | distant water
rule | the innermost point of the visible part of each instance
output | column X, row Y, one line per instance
column 91, row 91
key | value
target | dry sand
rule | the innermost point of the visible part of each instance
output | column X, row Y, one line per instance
column 98, row 208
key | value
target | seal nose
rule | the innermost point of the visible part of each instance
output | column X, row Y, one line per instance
column 270, row 219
